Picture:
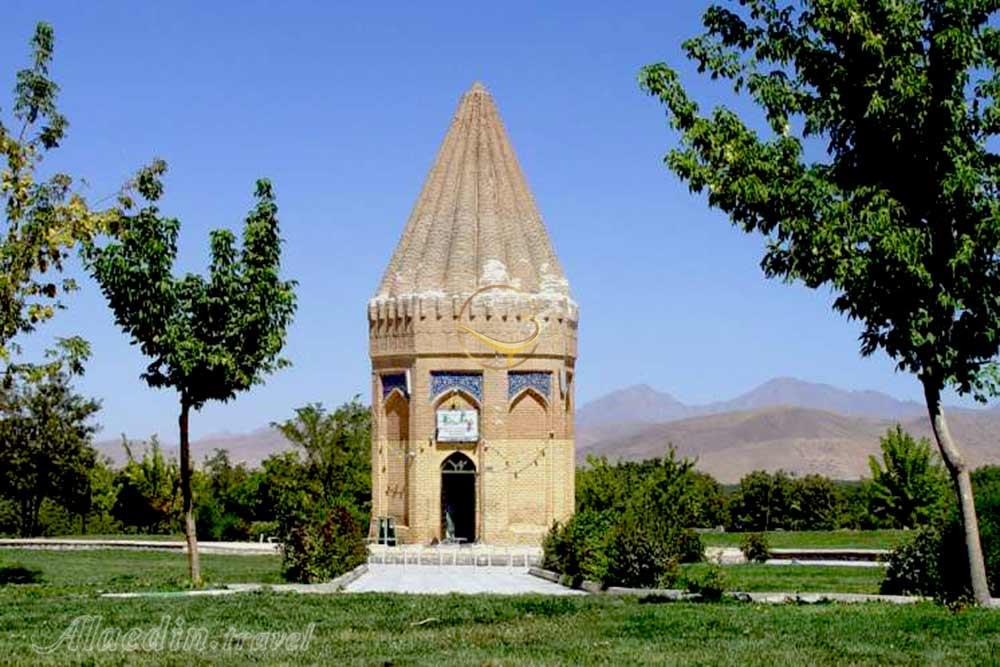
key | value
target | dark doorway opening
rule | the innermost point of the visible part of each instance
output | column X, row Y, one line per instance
column 458, row 499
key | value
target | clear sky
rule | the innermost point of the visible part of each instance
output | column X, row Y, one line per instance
column 343, row 106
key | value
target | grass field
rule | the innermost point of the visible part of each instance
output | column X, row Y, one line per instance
column 796, row 578
column 446, row 630
column 89, row 571
column 403, row 629
column 817, row 539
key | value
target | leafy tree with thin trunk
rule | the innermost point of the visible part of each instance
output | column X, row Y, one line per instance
column 45, row 436
column 908, row 485
column 208, row 338
column 44, row 216
column 876, row 176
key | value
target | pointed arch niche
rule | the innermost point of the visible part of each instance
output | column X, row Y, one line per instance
column 528, row 395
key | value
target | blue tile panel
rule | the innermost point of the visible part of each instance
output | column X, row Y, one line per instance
column 540, row 381
column 392, row 381
column 471, row 383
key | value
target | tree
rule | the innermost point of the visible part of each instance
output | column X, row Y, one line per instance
column 819, row 504
column 908, row 486
column 337, row 449
column 147, row 490
column 45, row 433
column 322, row 499
column 44, row 217
column 875, row 178
column 763, row 501
column 208, row 339
column 230, row 498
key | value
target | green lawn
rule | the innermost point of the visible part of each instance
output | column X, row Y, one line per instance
column 797, row 578
column 88, row 571
column 459, row 630
column 817, row 539
column 452, row 630
column 179, row 537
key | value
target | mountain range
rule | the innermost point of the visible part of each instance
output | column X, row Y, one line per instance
column 642, row 403
column 789, row 424
column 798, row 426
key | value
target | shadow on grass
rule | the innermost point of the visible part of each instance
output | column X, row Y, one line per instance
column 19, row 574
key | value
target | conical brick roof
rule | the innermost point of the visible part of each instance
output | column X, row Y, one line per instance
column 475, row 222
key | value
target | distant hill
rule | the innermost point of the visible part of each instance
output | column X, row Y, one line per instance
column 638, row 403
column 802, row 427
column 799, row 393
column 250, row 448
column 798, row 440
column 642, row 403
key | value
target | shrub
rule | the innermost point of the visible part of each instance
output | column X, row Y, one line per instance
column 934, row 562
column 632, row 527
column 710, row 585
column 638, row 557
column 323, row 548
column 755, row 547
column 918, row 567
column 577, row 548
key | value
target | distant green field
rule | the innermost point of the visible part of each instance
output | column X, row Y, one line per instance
column 817, row 539
column 797, row 578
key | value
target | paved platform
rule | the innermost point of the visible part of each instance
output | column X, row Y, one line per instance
column 443, row 579
column 475, row 555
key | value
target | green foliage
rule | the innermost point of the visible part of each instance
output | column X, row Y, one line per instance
column 639, row 555
column 819, row 504
column 776, row 501
column 763, row 501
column 148, row 498
column 710, row 584
column 44, row 217
column 336, row 450
column 321, row 491
column 577, row 548
column 900, row 218
column 230, row 498
column 323, row 546
column 933, row 563
column 672, row 486
column 101, row 501
column 909, row 487
column 632, row 525
column 45, row 434
column 208, row 338
column 755, row 548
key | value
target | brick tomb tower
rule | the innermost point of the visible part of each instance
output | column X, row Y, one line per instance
column 473, row 338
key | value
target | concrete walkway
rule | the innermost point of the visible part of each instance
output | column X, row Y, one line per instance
column 442, row 579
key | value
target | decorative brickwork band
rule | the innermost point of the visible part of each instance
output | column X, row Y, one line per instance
column 540, row 381
column 392, row 381
column 470, row 383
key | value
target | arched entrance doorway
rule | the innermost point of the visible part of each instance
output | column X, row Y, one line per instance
column 458, row 498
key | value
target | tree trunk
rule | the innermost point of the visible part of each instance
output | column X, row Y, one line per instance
column 959, row 470
column 194, row 567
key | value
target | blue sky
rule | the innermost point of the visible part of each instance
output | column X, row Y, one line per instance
column 343, row 105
